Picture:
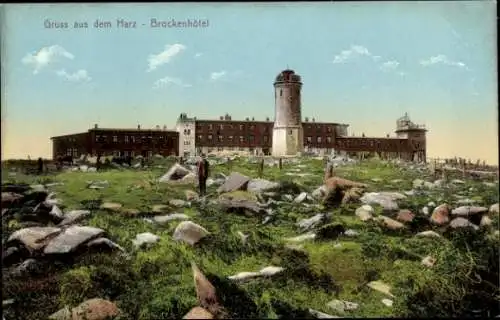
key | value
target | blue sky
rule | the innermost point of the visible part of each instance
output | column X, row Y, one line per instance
column 363, row 63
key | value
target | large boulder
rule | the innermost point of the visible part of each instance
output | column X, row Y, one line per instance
column 235, row 181
column 189, row 232
column 176, row 172
column 261, row 185
column 71, row 238
column 34, row 238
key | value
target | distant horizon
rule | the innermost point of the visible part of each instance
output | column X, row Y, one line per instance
column 363, row 64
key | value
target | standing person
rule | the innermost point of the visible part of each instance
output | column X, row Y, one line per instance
column 40, row 166
column 203, row 172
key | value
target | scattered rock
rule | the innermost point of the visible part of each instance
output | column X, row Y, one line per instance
column 307, row 224
column 111, row 206
column 235, row 181
column 428, row 234
column 198, row 313
column 95, row 309
column 386, row 200
column 485, row 221
column 71, row 238
column 365, row 212
column 301, row 197
column 261, row 185
column 381, row 287
column 321, row 315
column 405, row 215
column 342, row 306
column 189, row 232
column 494, row 209
column 177, row 203
column 170, row 217
column 301, row 238
column 466, row 211
column 33, row 238
column 440, row 215
column 462, row 223
column 387, row 302
column 176, row 172
column 159, row 208
column 391, row 223
column 74, row 216
column 143, row 239
column 191, row 195
column 428, row 261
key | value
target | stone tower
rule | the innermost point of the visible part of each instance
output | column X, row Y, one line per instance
column 288, row 136
column 416, row 134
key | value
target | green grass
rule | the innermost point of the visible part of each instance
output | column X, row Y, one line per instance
column 158, row 283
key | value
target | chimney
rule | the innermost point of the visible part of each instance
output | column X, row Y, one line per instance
column 165, row 127
column 312, row 119
column 157, row 127
column 253, row 119
column 307, row 119
column 138, row 127
column 221, row 118
column 267, row 119
column 95, row 126
column 194, row 118
column 247, row 119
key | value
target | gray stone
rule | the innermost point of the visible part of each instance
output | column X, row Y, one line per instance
column 104, row 242
column 177, row 203
column 261, row 185
column 494, row 209
column 306, row 224
column 56, row 212
column 365, row 212
column 384, row 199
column 145, row 238
column 319, row 192
column 321, row 315
column 342, row 306
column 176, row 172
column 189, row 232
column 428, row 234
column 170, row 217
column 74, row 216
column 235, row 181
column 485, row 221
column 465, row 211
column 462, row 223
column 301, row 197
column 71, row 238
column 33, row 238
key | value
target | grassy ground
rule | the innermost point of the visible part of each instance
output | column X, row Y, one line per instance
column 158, row 283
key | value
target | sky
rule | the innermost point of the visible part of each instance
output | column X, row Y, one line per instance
column 361, row 63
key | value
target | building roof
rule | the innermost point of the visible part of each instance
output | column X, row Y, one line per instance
column 131, row 130
column 68, row 135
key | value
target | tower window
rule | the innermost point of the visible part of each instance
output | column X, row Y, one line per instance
column 281, row 92
column 290, row 132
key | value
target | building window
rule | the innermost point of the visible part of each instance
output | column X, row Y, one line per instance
column 97, row 138
column 230, row 126
column 281, row 92
column 329, row 129
column 242, row 139
column 132, row 138
column 266, row 138
column 210, row 137
column 290, row 132
column 252, row 127
column 125, row 139
column 126, row 153
column 150, row 154
column 221, row 138
column 68, row 152
column 221, row 127
column 328, row 139
column 241, row 127
column 318, row 139
column 230, row 138
column 115, row 139
column 251, row 138
column 200, row 137
column 209, row 127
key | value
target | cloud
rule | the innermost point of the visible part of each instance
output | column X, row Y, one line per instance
column 389, row 65
column 197, row 55
column 354, row 51
column 167, row 81
column 45, row 57
column 214, row 76
column 156, row 60
column 80, row 75
column 442, row 59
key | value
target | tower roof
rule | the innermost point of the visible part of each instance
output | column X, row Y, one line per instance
column 288, row 75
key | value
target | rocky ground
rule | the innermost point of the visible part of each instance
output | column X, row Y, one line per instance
column 127, row 242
